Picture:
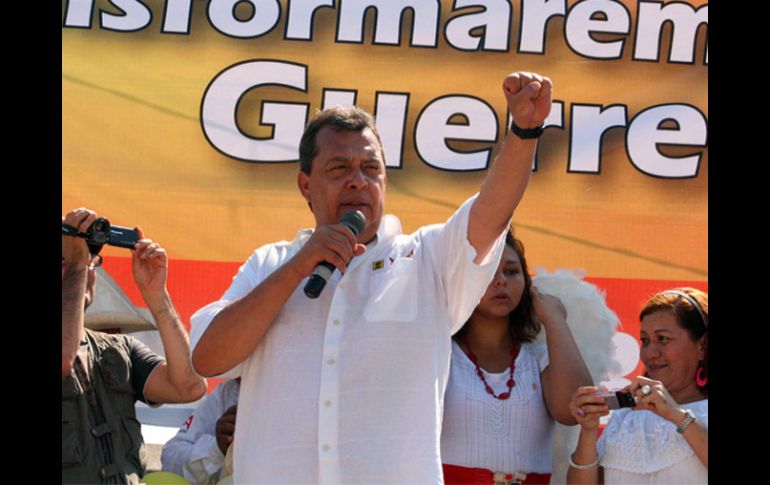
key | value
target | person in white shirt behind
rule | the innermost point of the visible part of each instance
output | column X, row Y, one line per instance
column 348, row 387
column 664, row 438
column 197, row 451
column 505, row 390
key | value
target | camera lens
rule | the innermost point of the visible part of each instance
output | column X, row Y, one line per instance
column 99, row 231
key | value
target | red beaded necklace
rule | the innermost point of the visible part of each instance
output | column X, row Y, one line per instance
column 503, row 395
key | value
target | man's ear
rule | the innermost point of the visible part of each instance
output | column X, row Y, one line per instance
column 303, row 183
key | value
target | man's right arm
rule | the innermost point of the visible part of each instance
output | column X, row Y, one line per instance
column 75, row 260
column 239, row 327
column 73, row 289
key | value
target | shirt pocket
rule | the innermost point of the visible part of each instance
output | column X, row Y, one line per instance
column 393, row 293
column 116, row 370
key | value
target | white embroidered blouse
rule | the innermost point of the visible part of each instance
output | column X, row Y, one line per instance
column 639, row 447
column 512, row 435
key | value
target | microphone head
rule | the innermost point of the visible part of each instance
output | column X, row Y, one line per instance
column 354, row 220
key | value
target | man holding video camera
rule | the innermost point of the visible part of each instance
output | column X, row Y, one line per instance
column 103, row 375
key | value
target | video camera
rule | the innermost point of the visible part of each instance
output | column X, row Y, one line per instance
column 101, row 232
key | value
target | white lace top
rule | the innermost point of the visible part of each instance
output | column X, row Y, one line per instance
column 639, row 447
column 503, row 436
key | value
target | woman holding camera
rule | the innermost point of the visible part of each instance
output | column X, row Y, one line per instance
column 664, row 438
column 504, row 390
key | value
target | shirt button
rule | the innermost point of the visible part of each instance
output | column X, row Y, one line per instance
column 336, row 321
column 342, row 286
column 331, row 361
column 328, row 404
column 326, row 447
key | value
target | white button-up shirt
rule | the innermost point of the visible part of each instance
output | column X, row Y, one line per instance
column 349, row 387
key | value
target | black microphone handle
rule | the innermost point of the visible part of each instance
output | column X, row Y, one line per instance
column 317, row 282
column 353, row 220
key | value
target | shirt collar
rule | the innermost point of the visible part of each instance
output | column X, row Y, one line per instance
column 390, row 227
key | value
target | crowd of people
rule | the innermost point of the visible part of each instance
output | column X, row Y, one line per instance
column 418, row 362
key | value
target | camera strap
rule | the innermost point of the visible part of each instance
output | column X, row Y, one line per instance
column 71, row 231
column 68, row 230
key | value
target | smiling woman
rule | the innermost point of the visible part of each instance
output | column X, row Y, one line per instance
column 674, row 340
column 664, row 438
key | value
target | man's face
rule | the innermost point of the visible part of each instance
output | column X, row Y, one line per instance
column 96, row 261
column 348, row 173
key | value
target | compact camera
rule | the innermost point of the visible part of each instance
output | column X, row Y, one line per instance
column 618, row 399
column 101, row 232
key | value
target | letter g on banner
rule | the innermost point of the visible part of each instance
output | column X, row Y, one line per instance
column 220, row 105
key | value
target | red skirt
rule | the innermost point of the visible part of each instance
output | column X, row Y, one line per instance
column 460, row 475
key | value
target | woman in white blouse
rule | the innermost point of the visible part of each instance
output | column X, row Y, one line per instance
column 504, row 390
column 664, row 438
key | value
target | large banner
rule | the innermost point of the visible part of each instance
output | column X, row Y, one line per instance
column 184, row 117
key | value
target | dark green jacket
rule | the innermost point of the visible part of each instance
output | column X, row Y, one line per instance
column 82, row 460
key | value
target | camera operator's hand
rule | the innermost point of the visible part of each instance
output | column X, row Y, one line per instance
column 333, row 243
column 587, row 407
column 149, row 263
column 658, row 400
column 74, row 250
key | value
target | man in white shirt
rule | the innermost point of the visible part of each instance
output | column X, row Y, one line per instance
column 348, row 387
column 197, row 451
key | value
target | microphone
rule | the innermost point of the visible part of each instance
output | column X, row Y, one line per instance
column 353, row 220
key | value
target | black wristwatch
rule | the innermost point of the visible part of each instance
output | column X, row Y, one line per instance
column 528, row 133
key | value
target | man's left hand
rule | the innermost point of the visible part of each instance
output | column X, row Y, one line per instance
column 149, row 263
column 529, row 98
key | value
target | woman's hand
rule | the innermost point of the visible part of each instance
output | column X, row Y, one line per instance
column 652, row 396
column 548, row 308
column 587, row 407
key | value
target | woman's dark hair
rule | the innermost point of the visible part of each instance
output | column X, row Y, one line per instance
column 691, row 318
column 522, row 323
